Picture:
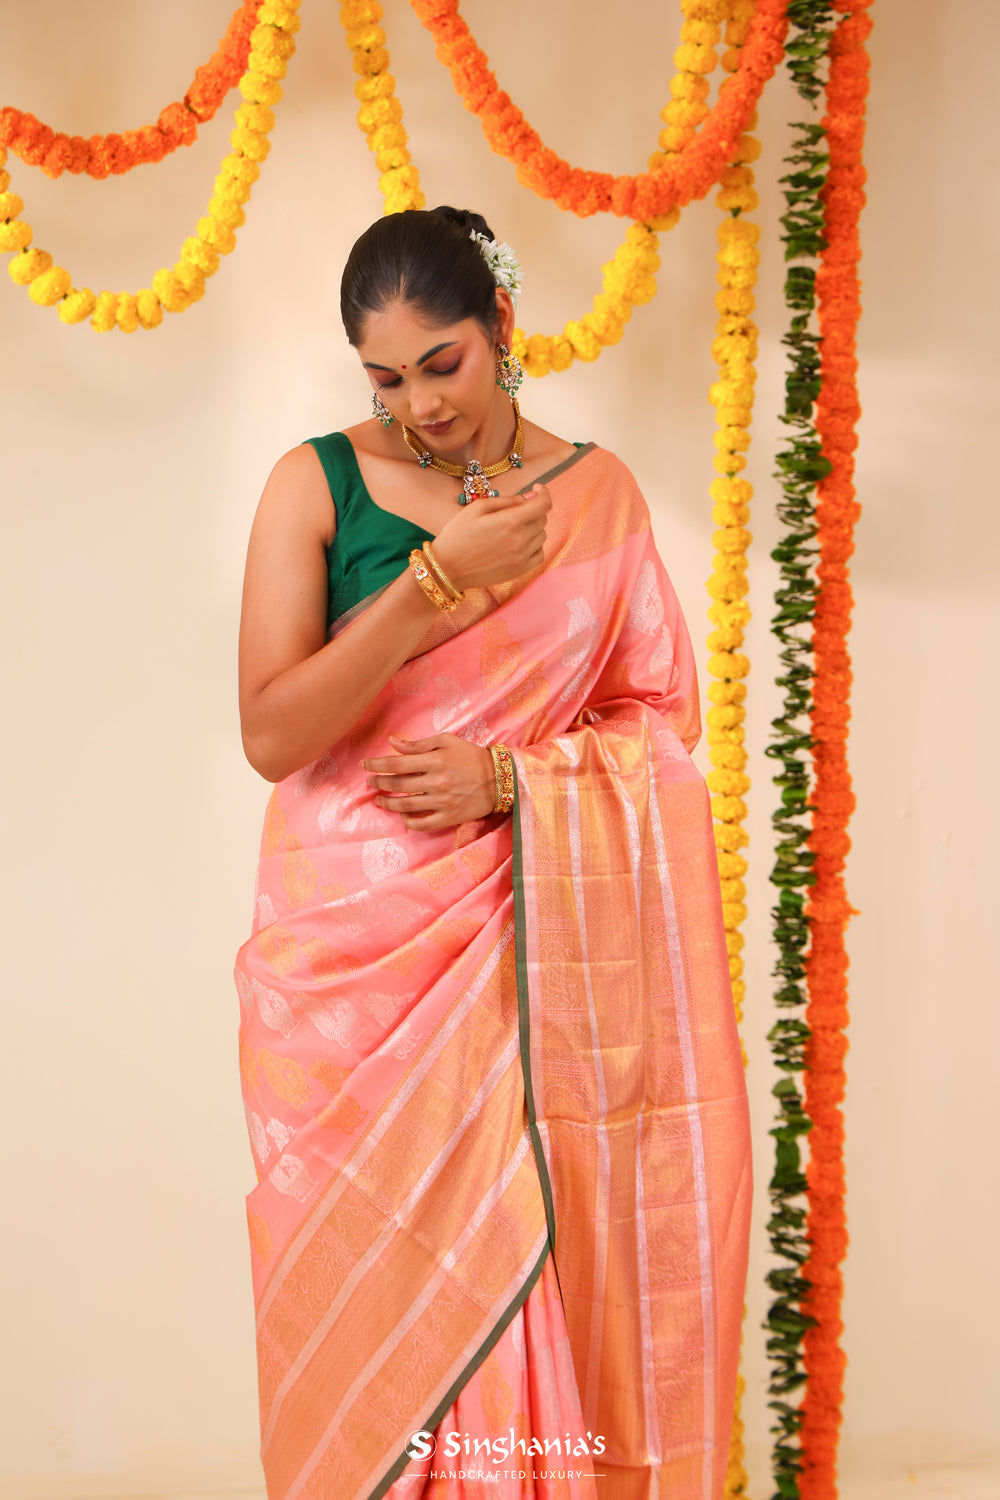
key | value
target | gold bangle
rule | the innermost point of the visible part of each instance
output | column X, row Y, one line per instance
column 503, row 772
column 442, row 577
column 418, row 567
column 497, row 782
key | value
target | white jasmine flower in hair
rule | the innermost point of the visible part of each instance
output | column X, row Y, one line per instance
column 502, row 261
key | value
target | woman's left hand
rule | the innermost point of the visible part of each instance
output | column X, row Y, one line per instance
column 434, row 783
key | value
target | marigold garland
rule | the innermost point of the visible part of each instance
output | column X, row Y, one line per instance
column 734, row 350
column 675, row 181
column 838, row 288
column 381, row 114
column 272, row 44
column 629, row 277
column 55, row 152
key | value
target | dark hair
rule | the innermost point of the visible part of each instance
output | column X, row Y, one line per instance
column 424, row 257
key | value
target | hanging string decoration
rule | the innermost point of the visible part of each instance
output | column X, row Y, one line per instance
column 629, row 277
column 55, row 152
column 381, row 114
column 734, row 350
column 801, row 466
column 690, row 174
column 837, row 410
column 272, row 44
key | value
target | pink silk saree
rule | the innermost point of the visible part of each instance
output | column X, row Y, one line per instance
column 492, row 1074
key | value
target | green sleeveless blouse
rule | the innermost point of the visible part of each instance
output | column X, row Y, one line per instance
column 371, row 545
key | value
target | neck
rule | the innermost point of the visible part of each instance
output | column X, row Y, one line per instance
column 492, row 440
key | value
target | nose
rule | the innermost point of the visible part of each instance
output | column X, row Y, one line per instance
column 425, row 402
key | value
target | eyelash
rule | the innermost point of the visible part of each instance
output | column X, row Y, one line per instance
column 390, row 385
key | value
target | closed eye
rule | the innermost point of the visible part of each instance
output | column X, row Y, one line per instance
column 390, row 385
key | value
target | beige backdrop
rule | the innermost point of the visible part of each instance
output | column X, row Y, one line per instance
column 131, row 469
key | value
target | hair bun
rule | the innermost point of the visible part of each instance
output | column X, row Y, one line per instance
column 465, row 219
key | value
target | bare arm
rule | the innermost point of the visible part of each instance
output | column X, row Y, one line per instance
column 300, row 693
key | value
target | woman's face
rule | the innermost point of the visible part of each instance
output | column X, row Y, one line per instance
column 439, row 380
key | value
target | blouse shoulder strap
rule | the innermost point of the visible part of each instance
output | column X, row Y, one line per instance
column 340, row 467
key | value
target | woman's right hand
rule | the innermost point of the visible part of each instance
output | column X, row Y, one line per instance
column 494, row 540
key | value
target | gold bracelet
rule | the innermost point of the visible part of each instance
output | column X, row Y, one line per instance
column 503, row 773
column 418, row 567
column 442, row 577
column 497, row 782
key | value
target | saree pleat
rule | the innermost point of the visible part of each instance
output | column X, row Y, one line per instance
column 492, row 1075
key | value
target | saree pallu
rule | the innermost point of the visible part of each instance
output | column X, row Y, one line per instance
column 492, row 1074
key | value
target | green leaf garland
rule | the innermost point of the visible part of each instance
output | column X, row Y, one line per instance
column 801, row 465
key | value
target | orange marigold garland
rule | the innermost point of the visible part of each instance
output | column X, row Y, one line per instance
column 177, row 125
column 838, row 288
column 272, row 44
column 629, row 277
column 690, row 174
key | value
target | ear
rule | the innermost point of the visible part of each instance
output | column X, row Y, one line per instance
column 505, row 316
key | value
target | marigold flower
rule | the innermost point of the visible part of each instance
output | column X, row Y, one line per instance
column 170, row 291
column 105, row 313
column 127, row 316
column 149, row 309
column 226, row 211
column 259, row 88
column 50, row 286
column 16, row 235
column 199, row 254
column 217, row 234
column 77, row 306
column 728, row 809
column 25, row 267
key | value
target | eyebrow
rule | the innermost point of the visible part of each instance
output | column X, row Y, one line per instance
column 422, row 360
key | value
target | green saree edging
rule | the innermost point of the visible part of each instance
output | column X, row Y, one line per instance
column 466, row 1375
column 523, row 1022
column 521, row 964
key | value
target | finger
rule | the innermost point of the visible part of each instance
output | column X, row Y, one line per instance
column 406, row 804
column 490, row 503
column 425, row 822
column 415, row 747
column 400, row 765
column 409, row 784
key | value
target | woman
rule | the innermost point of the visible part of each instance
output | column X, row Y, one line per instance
column 488, row 1049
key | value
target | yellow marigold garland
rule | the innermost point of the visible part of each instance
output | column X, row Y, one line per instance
column 272, row 44
column 734, row 350
column 381, row 114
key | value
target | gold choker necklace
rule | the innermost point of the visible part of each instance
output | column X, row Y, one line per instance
column 475, row 477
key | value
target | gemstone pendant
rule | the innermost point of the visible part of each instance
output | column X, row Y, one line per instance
column 425, row 459
column 515, row 461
